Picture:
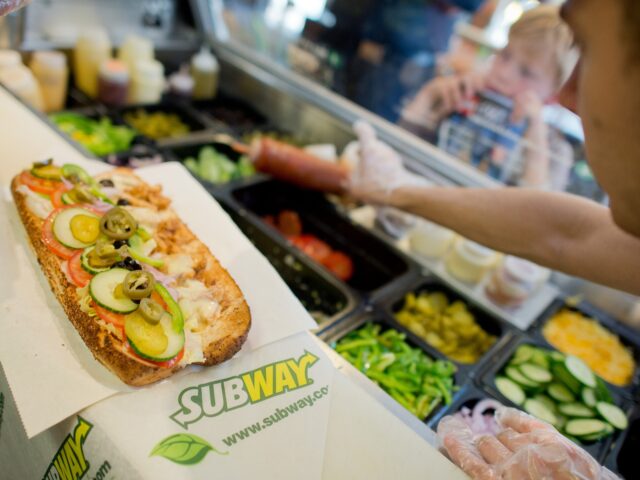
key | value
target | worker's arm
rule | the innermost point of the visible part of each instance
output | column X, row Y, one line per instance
column 560, row 231
column 557, row 230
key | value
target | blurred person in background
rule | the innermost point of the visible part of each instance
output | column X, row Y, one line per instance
column 516, row 147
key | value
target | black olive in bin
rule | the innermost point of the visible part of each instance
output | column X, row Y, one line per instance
column 598, row 449
column 488, row 323
column 323, row 298
column 375, row 264
column 341, row 329
column 628, row 337
column 135, row 157
column 623, row 458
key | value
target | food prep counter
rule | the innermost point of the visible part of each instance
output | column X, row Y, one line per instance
column 384, row 311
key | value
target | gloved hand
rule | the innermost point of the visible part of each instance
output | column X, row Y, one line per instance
column 380, row 170
column 525, row 449
column 8, row 6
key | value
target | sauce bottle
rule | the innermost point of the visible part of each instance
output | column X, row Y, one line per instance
column 135, row 48
column 92, row 49
column 205, row 70
column 113, row 83
column 52, row 74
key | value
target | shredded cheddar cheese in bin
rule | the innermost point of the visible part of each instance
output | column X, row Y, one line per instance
column 575, row 334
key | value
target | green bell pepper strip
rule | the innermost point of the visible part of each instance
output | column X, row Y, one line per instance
column 135, row 249
column 174, row 309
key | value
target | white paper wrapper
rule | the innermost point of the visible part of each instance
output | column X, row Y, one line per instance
column 51, row 373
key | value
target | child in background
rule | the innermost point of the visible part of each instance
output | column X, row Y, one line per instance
column 524, row 75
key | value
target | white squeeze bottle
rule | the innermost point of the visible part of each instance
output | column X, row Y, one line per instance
column 205, row 70
column 50, row 69
column 92, row 49
column 135, row 48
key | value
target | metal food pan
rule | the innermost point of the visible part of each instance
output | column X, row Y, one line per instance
column 376, row 264
column 598, row 449
column 628, row 337
column 324, row 298
column 486, row 321
column 233, row 112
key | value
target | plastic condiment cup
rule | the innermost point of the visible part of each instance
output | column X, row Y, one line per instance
column 514, row 281
column 468, row 261
column 429, row 239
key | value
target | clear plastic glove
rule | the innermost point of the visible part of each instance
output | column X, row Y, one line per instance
column 524, row 449
column 380, row 170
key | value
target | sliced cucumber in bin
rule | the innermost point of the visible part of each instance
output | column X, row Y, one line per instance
column 560, row 393
column 589, row 397
column 580, row 371
column 539, row 410
column 586, row 427
column 576, row 410
column 612, row 414
column 514, row 374
column 562, row 375
column 510, row 390
column 535, row 373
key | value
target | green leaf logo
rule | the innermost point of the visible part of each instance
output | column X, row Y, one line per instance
column 184, row 449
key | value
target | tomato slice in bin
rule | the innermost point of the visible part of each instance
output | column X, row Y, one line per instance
column 38, row 185
column 312, row 246
column 79, row 276
column 340, row 265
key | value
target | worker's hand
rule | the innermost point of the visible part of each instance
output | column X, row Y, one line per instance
column 441, row 97
column 524, row 449
column 379, row 170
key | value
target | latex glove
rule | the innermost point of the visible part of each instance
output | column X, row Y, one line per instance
column 380, row 170
column 8, row 6
column 524, row 449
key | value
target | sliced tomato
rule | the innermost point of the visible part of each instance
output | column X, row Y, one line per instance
column 79, row 276
column 156, row 296
column 289, row 223
column 340, row 265
column 50, row 241
column 39, row 185
column 116, row 319
column 128, row 350
column 312, row 246
column 56, row 196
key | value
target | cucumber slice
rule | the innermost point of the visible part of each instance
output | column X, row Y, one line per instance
column 522, row 354
column 560, row 393
column 514, row 374
column 612, row 414
column 535, row 373
column 539, row 410
column 576, row 410
column 62, row 227
column 556, row 356
column 597, row 436
column 602, row 391
column 101, row 289
column 550, row 404
column 580, row 371
column 541, row 359
column 154, row 342
column 510, row 390
column 84, row 262
column 562, row 375
column 585, row 427
column 589, row 397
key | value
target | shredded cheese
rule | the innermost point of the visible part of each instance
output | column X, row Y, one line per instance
column 574, row 334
